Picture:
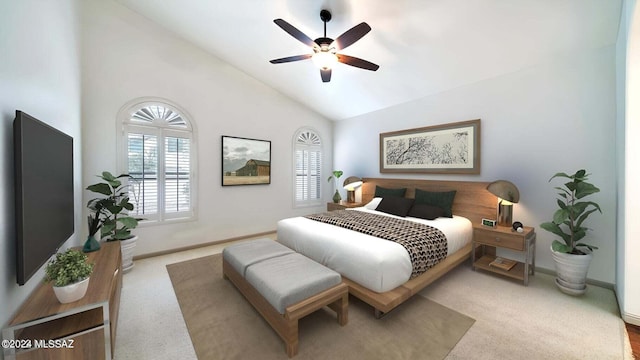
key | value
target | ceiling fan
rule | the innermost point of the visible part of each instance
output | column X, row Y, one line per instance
column 325, row 49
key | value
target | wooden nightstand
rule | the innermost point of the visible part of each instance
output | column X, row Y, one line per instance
column 487, row 239
column 331, row 206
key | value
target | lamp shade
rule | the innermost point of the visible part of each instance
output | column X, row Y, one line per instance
column 505, row 190
column 352, row 182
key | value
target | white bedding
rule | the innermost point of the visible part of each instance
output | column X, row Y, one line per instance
column 377, row 264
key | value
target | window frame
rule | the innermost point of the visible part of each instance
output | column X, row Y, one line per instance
column 300, row 146
column 161, row 130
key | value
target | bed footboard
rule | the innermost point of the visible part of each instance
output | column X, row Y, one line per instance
column 384, row 302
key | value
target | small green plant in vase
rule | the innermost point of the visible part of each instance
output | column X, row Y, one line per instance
column 336, row 175
column 69, row 274
column 94, row 223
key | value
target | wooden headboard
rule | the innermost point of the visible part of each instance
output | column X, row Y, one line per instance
column 472, row 199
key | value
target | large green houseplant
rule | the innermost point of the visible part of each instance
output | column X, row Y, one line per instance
column 69, row 274
column 572, row 256
column 113, row 208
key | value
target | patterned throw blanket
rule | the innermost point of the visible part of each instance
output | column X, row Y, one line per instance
column 425, row 244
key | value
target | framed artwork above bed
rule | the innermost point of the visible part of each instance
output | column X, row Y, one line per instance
column 245, row 161
column 452, row 148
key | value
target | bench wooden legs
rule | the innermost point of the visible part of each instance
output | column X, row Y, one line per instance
column 286, row 325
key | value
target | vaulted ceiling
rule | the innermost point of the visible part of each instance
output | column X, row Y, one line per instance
column 423, row 47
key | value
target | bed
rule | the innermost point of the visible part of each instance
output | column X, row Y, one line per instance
column 378, row 271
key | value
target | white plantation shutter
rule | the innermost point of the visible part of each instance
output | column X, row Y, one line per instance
column 302, row 180
column 177, row 175
column 308, row 165
column 143, row 167
column 159, row 157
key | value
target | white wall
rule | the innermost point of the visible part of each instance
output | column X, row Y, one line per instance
column 628, row 128
column 558, row 116
column 40, row 75
column 125, row 56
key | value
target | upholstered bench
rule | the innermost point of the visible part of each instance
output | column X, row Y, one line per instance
column 283, row 285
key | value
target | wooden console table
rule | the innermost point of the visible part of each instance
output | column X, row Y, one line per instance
column 89, row 324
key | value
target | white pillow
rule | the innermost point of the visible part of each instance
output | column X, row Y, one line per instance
column 373, row 204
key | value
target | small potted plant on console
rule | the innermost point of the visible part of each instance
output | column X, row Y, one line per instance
column 69, row 274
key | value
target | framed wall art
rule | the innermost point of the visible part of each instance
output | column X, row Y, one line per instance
column 441, row 149
column 245, row 161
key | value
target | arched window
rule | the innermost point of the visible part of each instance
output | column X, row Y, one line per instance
column 157, row 146
column 308, row 167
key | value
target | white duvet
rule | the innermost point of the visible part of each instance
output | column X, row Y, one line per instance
column 377, row 264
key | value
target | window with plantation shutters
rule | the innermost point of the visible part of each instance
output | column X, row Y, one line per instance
column 158, row 155
column 308, row 165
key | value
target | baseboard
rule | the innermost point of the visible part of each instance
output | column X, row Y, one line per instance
column 593, row 282
column 631, row 319
column 197, row 246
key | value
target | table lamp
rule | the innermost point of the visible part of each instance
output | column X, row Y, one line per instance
column 507, row 194
column 351, row 184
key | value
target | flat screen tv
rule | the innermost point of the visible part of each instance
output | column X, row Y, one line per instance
column 44, row 192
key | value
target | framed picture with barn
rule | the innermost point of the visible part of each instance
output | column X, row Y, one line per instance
column 245, row 161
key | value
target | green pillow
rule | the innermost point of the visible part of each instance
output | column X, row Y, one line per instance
column 382, row 192
column 442, row 199
column 395, row 205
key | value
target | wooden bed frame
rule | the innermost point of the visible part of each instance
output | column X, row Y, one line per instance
column 472, row 201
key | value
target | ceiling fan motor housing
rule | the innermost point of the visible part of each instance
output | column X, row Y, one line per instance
column 325, row 15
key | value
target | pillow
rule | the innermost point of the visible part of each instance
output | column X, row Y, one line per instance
column 443, row 199
column 424, row 211
column 395, row 205
column 384, row 192
column 373, row 204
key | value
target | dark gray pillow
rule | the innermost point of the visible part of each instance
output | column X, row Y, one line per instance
column 424, row 211
column 441, row 199
column 384, row 192
column 395, row 205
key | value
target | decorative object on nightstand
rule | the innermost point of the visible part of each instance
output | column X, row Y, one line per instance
column 487, row 239
column 336, row 175
column 508, row 195
column 572, row 257
column 351, row 184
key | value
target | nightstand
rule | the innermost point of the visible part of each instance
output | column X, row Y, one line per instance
column 487, row 239
column 331, row 206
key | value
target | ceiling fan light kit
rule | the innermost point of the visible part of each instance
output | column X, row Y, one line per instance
column 325, row 50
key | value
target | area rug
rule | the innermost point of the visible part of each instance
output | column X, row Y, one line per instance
column 223, row 325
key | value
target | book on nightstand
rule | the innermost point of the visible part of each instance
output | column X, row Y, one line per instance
column 502, row 263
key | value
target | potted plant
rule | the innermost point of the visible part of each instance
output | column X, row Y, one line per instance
column 336, row 175
column 572, row 256
column 69, row 274
column 113, row 211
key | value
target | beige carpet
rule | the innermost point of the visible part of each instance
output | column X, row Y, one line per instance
column 223, row 325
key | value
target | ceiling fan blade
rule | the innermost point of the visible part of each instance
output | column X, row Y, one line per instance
column 293, row 31
column 290, row 59
column 357, row 62
column 352, row 35
column 326, row 75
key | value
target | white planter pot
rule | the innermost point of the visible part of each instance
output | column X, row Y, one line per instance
column 571, row 272
column 127, row 247
column 71, row 292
